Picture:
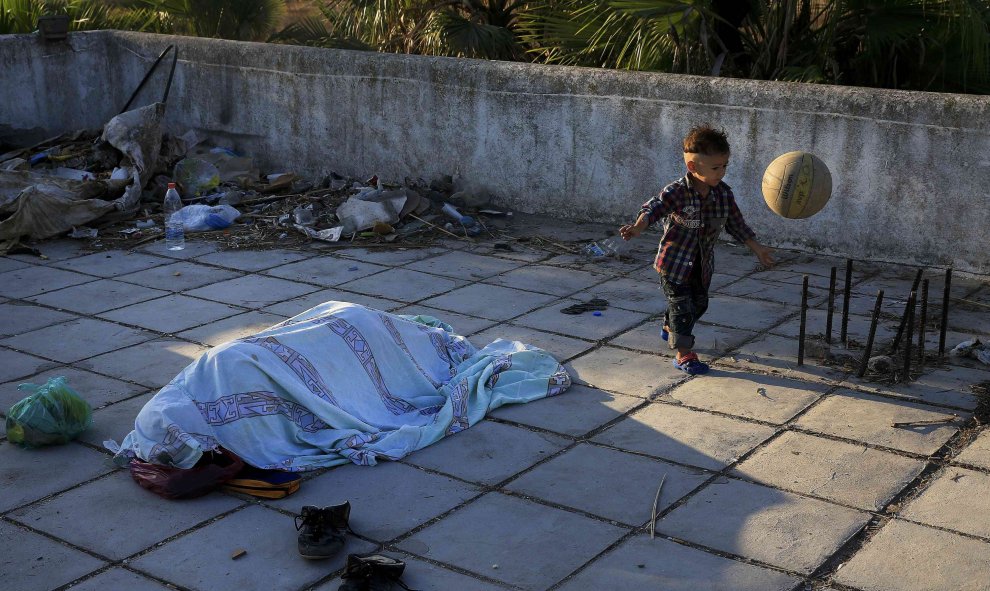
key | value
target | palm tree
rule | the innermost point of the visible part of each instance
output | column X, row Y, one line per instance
column 665, row 35
column 941, row 45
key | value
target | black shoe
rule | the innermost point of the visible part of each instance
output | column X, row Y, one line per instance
column 372, row 572
column 321, row 530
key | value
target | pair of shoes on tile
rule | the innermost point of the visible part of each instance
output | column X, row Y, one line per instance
column 322, row 529
column 590, row 305
column 372, row 572
column 690, row 364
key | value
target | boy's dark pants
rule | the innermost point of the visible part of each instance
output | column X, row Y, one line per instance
column 686, row 302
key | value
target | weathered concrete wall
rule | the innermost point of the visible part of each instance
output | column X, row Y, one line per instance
column 910, row 170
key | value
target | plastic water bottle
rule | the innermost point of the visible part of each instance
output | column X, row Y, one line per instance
column 610, row 247
column 175, row 235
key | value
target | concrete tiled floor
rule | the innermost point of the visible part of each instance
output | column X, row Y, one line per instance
column 772, row 469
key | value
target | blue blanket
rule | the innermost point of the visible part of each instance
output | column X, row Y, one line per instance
column 338, row 383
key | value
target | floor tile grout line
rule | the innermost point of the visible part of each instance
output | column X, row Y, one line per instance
column 934, row 463
column 5, row 514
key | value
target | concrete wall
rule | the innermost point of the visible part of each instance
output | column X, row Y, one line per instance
column 910, row 170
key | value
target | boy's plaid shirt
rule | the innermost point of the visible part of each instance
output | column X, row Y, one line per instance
column 691, row 225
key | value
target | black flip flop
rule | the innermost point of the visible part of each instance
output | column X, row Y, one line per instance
column 590, row 305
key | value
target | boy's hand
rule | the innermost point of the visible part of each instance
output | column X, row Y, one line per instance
column 763, row 253
column 631, row 231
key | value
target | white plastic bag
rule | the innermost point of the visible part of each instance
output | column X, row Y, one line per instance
column 203, row 218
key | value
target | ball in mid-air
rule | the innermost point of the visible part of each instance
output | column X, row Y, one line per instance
column 797, row 185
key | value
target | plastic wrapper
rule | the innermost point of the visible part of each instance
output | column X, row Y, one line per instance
column 51, row 414
column 211, row 471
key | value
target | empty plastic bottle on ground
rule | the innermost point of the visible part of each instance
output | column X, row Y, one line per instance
column 610, row 247
column 175, row 235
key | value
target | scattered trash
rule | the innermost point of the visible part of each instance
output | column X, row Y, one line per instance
column 610, row 247
column 83, row 232
column 72, row 174
column 304, row 216
column 51, row 414
column 471, row 227
column 973, row 348
column 238, row 553
column 203, row 218
column 116, row 174
column 195, row 176
column 592, row 304
column 175, row 235
column 328, row 235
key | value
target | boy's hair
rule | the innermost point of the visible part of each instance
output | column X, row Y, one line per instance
column 705, row 139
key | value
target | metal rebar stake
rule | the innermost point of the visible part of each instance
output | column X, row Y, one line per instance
column 945, row 312
column 804, row 319
column 923, row 321
column 845, row 301
column 869, row 339
column 831, row 305
column 910, row 333
column 900, row 326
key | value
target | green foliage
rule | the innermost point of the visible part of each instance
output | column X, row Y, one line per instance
column 244, row 20
column 938, row 45
column 21, row 16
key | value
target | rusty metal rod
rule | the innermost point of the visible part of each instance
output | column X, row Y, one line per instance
column 804, row 319
column 921, row 329
column 945, row 312
column 912, row 299
column 869, row 339
column 845, row 301
column 900, row 326
column 831, row 306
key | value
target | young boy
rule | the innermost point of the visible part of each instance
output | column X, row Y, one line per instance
column 694, row 209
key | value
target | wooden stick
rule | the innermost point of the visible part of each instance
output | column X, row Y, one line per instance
column 444, row 230
column 920, row 423
column 656, row 501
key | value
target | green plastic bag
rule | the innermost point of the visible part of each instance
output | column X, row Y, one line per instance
column 52, row 414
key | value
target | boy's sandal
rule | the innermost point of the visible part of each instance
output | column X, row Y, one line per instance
column 593, row 304
column 690, row 364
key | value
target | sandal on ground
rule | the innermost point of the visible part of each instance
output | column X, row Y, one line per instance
column 590, row 305
column 690, row 364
